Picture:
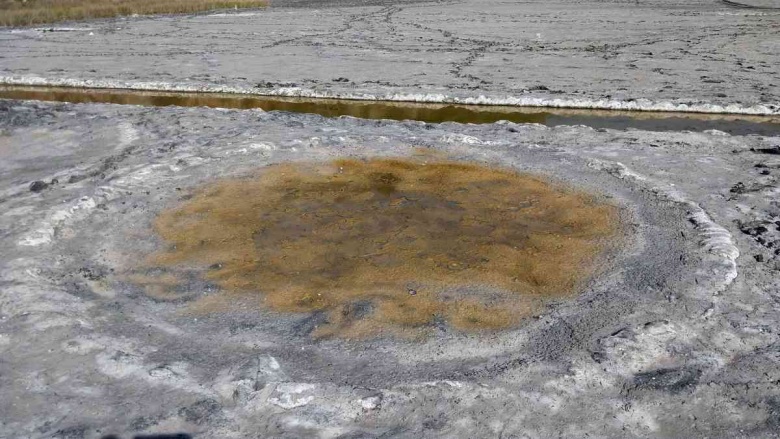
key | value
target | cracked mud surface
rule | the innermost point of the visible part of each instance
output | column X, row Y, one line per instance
column 679, row 337
column 703, row 52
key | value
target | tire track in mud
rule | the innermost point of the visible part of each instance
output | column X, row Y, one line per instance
column 740, row 5
column 472, row 55
column 348, row 25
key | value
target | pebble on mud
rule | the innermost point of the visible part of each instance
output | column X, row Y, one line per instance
column 38, row 186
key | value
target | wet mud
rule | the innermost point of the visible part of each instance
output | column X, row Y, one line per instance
column 383, row 245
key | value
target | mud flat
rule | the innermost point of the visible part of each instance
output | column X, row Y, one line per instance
column 664, row 55
column 237, row 273
column 675, row 335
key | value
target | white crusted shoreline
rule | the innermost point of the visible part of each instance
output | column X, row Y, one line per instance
column 520, row 101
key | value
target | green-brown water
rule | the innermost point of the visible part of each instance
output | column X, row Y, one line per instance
column 431, row 113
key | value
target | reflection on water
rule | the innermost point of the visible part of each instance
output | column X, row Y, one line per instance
column 431, row 113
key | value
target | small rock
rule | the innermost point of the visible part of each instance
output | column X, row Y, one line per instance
column 753, row 228
column 371, row 402
column 759, row 258
column 774, row 150
column 38, row 186
column 738, row 188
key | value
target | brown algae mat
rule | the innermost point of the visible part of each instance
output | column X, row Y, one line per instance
column 388, row 246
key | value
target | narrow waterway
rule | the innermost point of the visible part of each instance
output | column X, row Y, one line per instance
column 431, row 113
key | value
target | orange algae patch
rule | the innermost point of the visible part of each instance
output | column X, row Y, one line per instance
column 387, row 245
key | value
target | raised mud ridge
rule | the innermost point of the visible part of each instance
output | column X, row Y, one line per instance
column 754, row 4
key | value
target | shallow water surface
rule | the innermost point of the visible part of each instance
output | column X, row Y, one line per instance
column 382, row 245
column 431, row 113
